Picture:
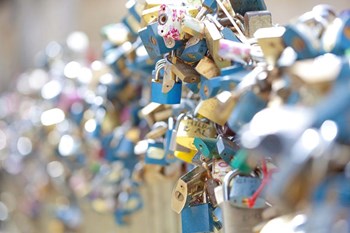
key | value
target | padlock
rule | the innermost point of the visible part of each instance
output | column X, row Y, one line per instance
column 207, row 147
column 207, row 68
column 191, row 128
column 213, row 86
column 184, row 154
column 169, row 22
column 157, row 95
column 247, row 106
column 154, row 43
column 243, row 6
column 189, row 185
column 197, row 219
column 184, row 72
column 271, row 43
column 213, row 37
column 217, row 109
column 195, row 50
column 192, row 26
column 238, row 217
column 155, row 153
column 154, row 112
column 253, row 20
column 226, row 149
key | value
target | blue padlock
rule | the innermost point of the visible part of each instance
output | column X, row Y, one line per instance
column 226, row 149
column 248, row 105
column 157, row 96
column 197, row 219
column 212, row 87
column 154, row 43
column 300, row 42
column 195, row 50
column 155, row 153
column 243, row 6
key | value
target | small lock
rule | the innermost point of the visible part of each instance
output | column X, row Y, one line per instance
column 190, row 128
column 226, row 149
column 185, row 72
column 213, row 37
column 217, row 109
column 213, row 86
column 207, row 68
column 207, row 147
column 171, row 97
column 195, row 50
column 271, row 42
column 197, row 218
column 154, row 43
column 155, row 153
column 237, row 217
column 189, row 185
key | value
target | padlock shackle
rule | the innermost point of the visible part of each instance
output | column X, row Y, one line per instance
column 159, row 65
column 226, row 184
column 229, row 177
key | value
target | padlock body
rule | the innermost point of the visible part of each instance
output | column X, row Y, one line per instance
column 172, row 97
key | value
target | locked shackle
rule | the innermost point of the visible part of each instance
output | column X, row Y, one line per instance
column 229, row 177
column 159, row 65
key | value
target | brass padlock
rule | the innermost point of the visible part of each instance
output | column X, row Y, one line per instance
column 213, row 37
column 154, row 112
column 184, row 72
column 271, row 43
column 217, row 109
column 189, row 185
column 207, row 68
column 190, row 128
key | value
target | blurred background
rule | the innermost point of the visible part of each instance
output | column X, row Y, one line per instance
column 27, row 26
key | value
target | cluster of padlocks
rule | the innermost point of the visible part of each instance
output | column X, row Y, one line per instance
column 253, row 117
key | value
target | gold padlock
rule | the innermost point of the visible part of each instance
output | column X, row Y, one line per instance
column 213, row 37
column 271, row 43
column 189, row 185
column 217, row 109
column 207, row 68
column 154, row 112
column 184, row 72
column 191, row 128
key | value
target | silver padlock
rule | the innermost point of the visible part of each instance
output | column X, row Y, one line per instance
column 238, row 218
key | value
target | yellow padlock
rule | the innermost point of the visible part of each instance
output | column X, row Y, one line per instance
column 185, row 156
